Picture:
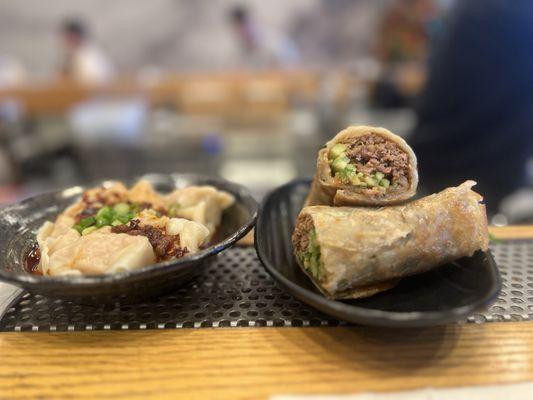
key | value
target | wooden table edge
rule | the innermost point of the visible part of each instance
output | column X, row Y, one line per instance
column 249, row 363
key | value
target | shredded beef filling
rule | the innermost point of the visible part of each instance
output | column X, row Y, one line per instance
column 300, row 237
column 307, row 248
column 373, row 153
column 165, row 246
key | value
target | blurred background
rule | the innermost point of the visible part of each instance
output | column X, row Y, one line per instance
column 251, row 90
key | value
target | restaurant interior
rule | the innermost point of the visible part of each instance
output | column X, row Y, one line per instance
column 250, row 91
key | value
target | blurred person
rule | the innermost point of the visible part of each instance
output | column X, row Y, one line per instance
column 475, row 115
column 404, row 31
column 403, row 37
column 84, row 62
column 258, row 49
column 12, row 73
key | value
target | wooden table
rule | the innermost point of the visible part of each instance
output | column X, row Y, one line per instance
column 250, row 363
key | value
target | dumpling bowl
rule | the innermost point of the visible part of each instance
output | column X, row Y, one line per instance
column 20, row 222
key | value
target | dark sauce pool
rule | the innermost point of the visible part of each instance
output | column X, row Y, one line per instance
column 32, row 258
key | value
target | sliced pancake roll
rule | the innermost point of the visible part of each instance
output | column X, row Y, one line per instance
column 351, row 252
column 364, row 166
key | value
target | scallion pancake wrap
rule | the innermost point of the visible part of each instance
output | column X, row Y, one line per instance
column 364, row 166
column 356, row 252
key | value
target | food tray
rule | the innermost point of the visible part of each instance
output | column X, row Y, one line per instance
column 236, row 291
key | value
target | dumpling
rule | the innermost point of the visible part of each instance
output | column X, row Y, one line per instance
column 53, row 236
column 118, row 237
column 102, row 252
column 203, row 204
column 113, row 193
column 74, row 209
column 192, row 234
column 143, row 192
column 149, row 217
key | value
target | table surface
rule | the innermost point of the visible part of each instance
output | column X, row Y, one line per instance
column 250, row 363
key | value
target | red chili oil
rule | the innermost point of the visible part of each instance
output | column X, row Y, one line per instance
column 32, row 259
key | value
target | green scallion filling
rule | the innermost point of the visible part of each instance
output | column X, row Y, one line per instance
column 343, row 169
column 310, row 257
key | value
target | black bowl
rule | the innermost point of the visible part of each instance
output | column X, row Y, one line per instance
column 448, row 293
column 20, row 222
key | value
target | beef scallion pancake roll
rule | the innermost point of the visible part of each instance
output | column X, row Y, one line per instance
column 356, row 252
column 364, row 165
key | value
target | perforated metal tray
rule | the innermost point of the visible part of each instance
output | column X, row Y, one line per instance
column 237, row 291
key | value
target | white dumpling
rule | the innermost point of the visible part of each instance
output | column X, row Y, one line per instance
column 65, row 252
column 113, row 192
column 102, row 252
column 74, row 209
column 134, row 256
column 42, row 240
column 54, row 236
column 63, row 224
column 203, row 204
column 197, row 213
column 143, row 192
column 149, row 217
column 44, row 232
column 192, row 234
column 52, row 245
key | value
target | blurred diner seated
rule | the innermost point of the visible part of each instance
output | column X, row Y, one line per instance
column 475, row 114
column 12, row 72
column 404, row 34
column 84, row 62
column 258, row 48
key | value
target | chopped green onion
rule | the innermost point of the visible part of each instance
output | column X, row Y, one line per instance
column 124, row 218
column 88, row 230
column 105, row 212
column 101, row 222
column 135, row 207
column 310, row 257
column 370, row 181
column 121, row 208
column 336, row 151
column 340, row 163
column 348, row 174
column 87, row 222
